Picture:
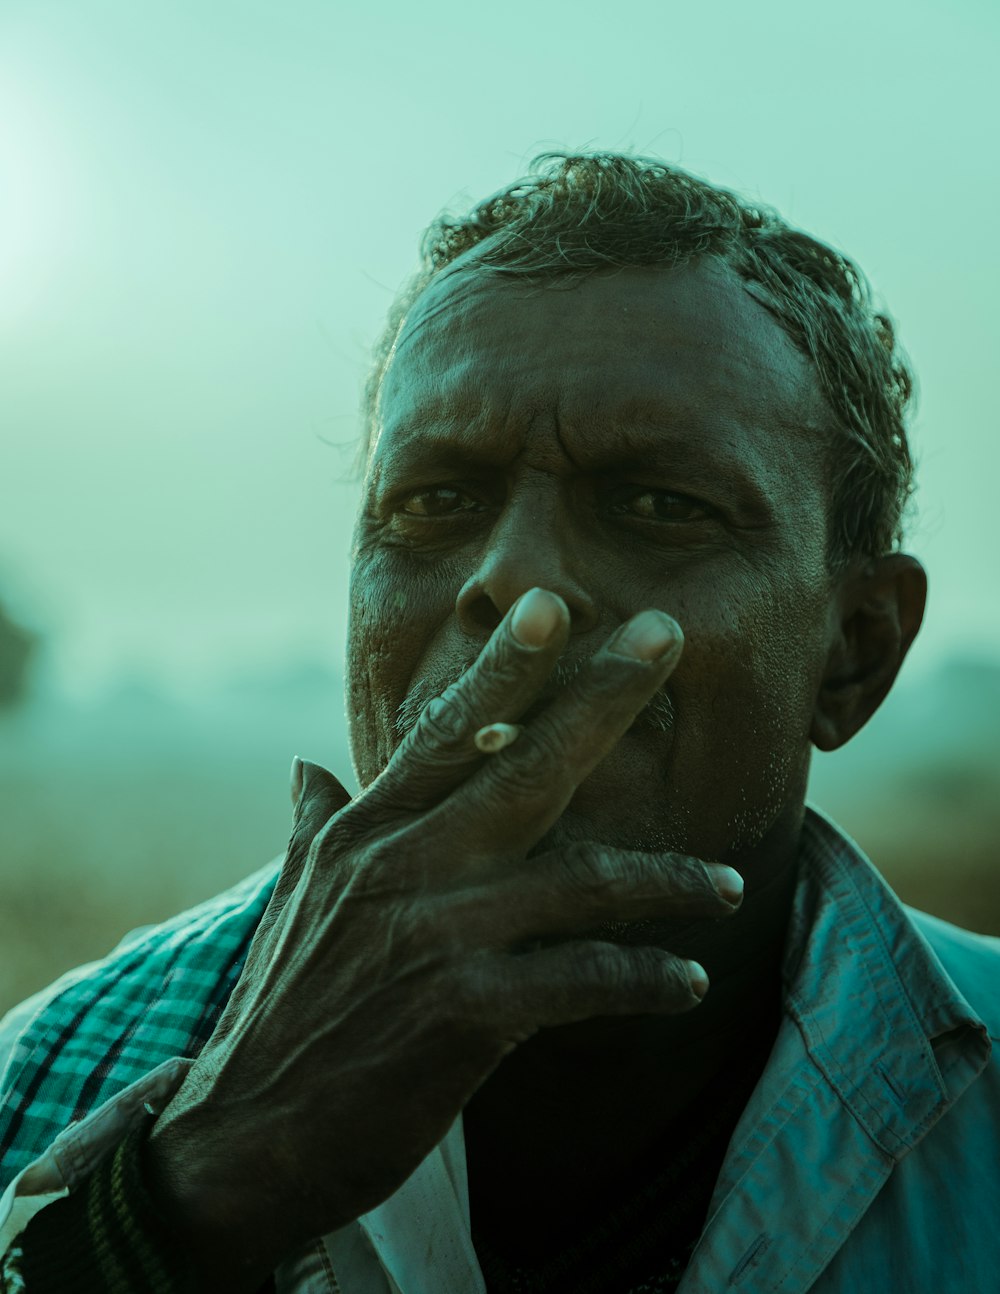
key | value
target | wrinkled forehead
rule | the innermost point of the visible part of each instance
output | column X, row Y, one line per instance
column 457, row 332
column 690, row 339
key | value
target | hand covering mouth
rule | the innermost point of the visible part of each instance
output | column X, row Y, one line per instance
column 657, row 715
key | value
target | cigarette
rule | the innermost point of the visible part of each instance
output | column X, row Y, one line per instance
column 495, row 736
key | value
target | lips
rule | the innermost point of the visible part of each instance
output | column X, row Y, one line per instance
column 538, row 708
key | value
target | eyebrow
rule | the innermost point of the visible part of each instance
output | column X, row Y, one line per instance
column 636, row 443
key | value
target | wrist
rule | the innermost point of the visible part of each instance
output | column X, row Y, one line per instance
column 211, row 1218
column 106, row 1235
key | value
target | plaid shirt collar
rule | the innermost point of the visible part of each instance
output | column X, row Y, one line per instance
column 157, row 995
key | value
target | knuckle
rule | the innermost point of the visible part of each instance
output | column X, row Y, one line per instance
column 685, row 879
column 608, row 877
column 447, row 721
column 501, row 664
column 647, row 975
column 688, row 875
column 468, row 993
column 604, row 964
column 552, row 736
column 384, row 868
column 403, row 932
column 655, row 967
column 414, row 934
column 657, row 978
column 339, row 836
column 441, row 925
column 515, row 775
column 660, row 978
column 540, row 754
column 444, row 721
column 631, row 872
column 586, row 870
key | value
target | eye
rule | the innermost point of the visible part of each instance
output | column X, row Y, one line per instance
column 658, row 505
column 438, row 501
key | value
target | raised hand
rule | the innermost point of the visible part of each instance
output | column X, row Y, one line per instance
column 411, row 944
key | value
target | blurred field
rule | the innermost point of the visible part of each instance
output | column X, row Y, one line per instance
column 919, row 789
column 122, row 814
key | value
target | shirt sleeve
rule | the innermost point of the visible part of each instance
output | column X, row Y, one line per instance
column 82, row 1147
column 105, row 1237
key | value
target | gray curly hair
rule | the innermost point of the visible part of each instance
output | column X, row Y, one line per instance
column 575, row 214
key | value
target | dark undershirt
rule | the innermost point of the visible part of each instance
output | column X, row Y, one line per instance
column 643, row 1244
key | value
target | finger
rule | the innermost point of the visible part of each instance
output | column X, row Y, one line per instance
column 568, row 892
column 440, row 751
column 521, row 994
column 519, row 793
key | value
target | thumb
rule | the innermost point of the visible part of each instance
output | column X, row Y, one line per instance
column 316, row 796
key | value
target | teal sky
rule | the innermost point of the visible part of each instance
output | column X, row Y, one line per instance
column 206, row 207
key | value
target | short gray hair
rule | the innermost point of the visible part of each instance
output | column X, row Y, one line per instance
column 575, row 214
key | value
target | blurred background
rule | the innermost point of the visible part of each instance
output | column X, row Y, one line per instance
column 205, row 210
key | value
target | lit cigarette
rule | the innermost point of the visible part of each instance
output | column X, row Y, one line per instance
column 495, row 736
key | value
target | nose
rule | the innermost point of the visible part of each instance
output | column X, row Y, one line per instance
column 530, row 546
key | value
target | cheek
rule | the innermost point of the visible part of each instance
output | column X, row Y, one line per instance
column 391, row 617
column 745, row 690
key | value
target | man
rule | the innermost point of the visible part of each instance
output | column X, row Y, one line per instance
column 627, row 549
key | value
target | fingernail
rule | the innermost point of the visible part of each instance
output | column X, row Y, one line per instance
column 536, row 618
column 647, row 636
column 297, row 780
column 728, row 882
column 698, row 978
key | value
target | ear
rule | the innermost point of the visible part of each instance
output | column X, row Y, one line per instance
column 876, row 613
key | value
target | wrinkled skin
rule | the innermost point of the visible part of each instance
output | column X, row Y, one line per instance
column 550, row 389
column 500, row 935
column 643, row 438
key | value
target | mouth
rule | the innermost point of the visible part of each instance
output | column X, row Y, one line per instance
column 656, row 716
column 644, row 719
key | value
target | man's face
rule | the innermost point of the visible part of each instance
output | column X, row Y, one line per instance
column 648, row 438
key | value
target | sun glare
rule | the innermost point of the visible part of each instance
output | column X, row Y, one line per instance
column 36, row 200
